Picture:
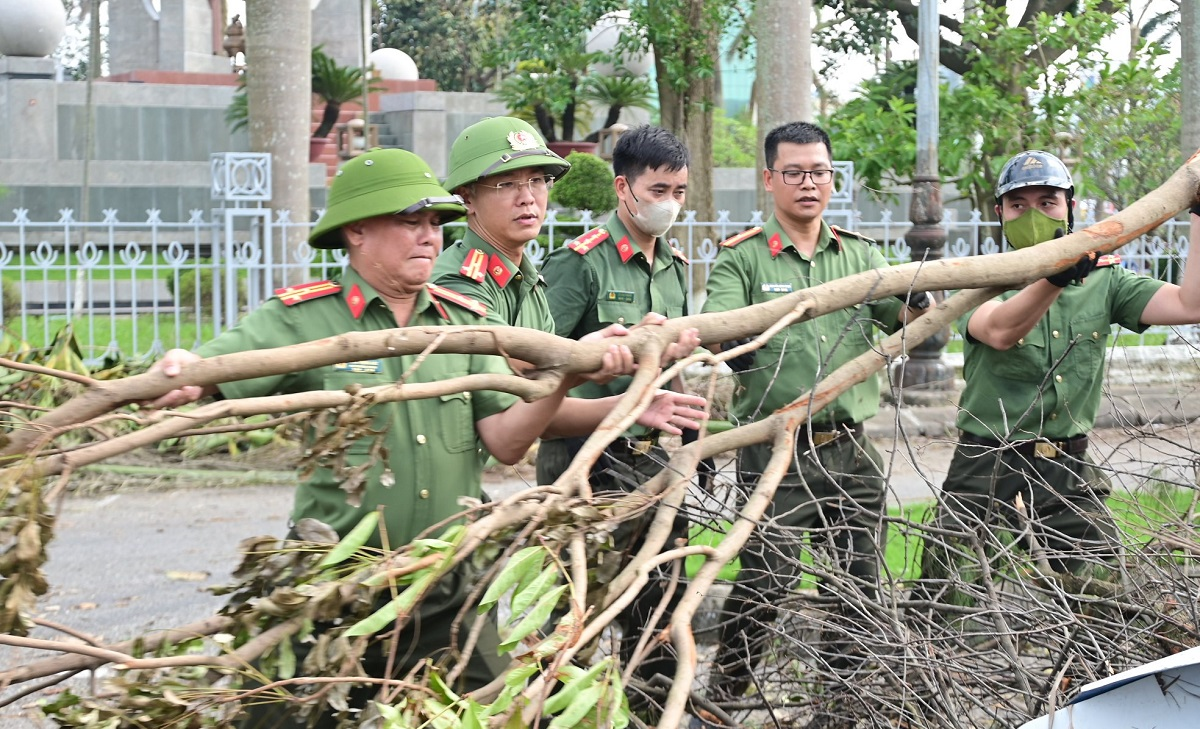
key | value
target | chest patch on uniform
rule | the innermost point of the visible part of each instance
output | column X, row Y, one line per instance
column 777, row 288
column 621, row 297
column 363, row 367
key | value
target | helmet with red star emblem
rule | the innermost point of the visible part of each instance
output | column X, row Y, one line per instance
column 381, row 182
column 498, row 145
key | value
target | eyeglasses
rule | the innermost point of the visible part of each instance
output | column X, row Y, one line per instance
column 796, row 177
column 537, row 184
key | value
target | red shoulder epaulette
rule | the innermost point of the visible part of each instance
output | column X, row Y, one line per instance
column 588, row 240
column 476, row 307
column 292, row 295
column 732, row 241
column 1109, row 259
column 679, row 254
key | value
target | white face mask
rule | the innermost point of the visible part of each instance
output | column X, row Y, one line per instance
column 654, row 219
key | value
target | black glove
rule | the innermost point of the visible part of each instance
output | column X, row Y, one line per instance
column 742, row 362
column 1196, row 209
column 1076, row 273
column 920, row 300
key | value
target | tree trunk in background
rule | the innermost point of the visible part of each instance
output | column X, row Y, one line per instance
column 1189, row 39
column 689, row 114
column 784, row 73
column 279, row 89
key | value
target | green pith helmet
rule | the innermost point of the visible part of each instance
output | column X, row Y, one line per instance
column 381, row 182
column 498, row 145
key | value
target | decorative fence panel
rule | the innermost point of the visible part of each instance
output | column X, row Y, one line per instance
column 139, row 288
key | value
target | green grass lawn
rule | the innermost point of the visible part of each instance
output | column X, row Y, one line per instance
column 133, row 338
column 1139, row 515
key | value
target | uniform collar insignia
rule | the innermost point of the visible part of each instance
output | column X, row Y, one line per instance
column 500, row 273
column 775, row 245
column 356, row 301
column 625, row 249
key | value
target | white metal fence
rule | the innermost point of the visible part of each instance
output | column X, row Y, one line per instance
column 139, row 288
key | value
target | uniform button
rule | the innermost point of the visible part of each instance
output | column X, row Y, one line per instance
column 620, row 320
column 1095, row 335
column 1054, row 334
column 1054, row 416
column 1058, row 378
column 467, row 395
column 1021, row 341
column 822, row 337
column 420, row 439
column 812, row 263
column 424, row 493
column 518, row 277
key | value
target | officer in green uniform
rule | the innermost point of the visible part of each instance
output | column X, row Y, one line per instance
column 1033, row 361
column 835, row 484
column 504, row 172
column 386, row 208
column 617, row 274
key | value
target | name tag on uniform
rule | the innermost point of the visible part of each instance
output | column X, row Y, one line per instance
column 621, row 297
column 773, row 288
column 364, row 367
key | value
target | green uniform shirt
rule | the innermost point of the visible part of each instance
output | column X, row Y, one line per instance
column 514, row 295
column 1049, row 384
column 766, row 266
column 431, row 456
column 603, row 278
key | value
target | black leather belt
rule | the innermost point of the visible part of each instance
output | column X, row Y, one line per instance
column 1042, row 447
column 823, row 433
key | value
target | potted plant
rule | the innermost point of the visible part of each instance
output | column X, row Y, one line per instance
column 555, row 99
column 556, row 80
column 334, row 84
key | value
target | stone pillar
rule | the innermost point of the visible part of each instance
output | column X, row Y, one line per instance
column 925, row 369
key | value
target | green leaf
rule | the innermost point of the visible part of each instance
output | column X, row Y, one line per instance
column 475, row 717
column 526, row 561
column 535, row 619
column 572, row 688
column 526, row 597
column 402, row 604
column 581, row 707
column 286, row 667
column 353, row 541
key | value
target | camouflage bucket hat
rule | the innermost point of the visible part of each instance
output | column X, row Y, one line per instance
column 381, row 182
column 498, row 145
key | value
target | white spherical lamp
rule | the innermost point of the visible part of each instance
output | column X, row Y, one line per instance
column 393, row 64
column 31, row 27
column 603, row 38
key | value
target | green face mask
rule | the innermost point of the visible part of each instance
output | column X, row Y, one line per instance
column 1031, row 228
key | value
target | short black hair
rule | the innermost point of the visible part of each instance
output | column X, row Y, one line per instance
column 795, row 133
column 648, row 148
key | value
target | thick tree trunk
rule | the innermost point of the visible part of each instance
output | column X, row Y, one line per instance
column 689, row 114
column 783, row 77
column 279, row 89
column 1189, row 38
